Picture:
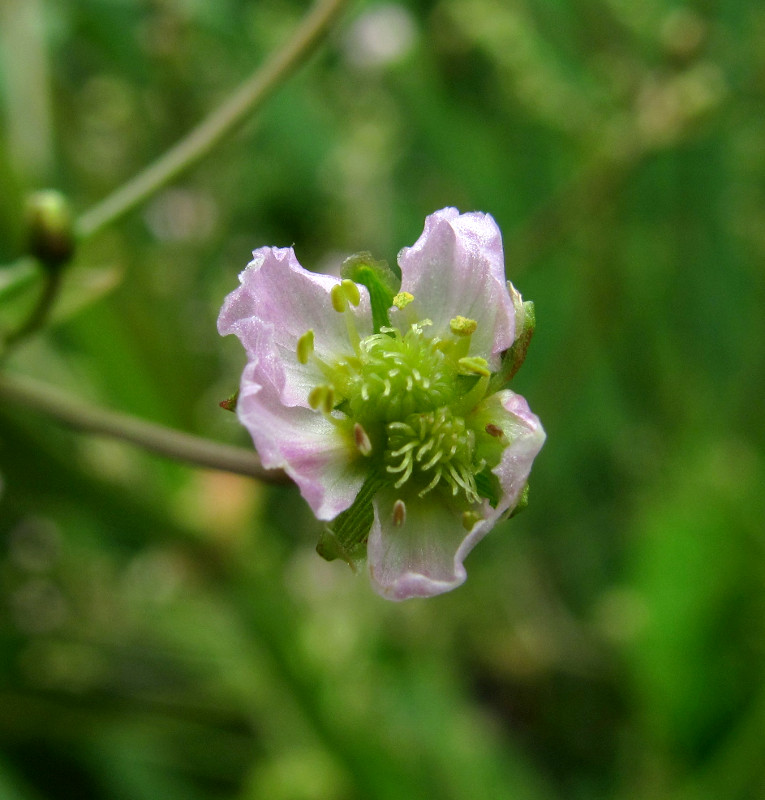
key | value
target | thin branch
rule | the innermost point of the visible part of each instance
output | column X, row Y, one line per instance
column 246, row 99
column 32, row 395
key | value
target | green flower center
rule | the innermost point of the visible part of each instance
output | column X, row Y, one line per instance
column 433, row 448
column 405, row 398
column 400, row 375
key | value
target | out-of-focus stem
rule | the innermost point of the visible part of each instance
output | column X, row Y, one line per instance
column 32, row 395
column 24, row 62
column 246, row 99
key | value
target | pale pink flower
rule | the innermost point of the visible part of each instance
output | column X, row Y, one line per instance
column 406, row 423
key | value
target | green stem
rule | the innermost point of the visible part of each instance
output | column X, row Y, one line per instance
column 33, row 395
column 39, row 314
column 246, row 99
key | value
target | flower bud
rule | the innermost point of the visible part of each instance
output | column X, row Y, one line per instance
column 50, row 228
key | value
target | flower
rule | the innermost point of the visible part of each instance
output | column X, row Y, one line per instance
column 387, row 402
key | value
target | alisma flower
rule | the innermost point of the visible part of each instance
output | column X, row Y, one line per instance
column 386, row 401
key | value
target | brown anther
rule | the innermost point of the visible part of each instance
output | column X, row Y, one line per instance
column 399, row 513
column 362, row 440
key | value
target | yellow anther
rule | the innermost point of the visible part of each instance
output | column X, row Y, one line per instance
column 402, row 299
column 462, row 326
column 339, row 299
column 329, row 400
column 322, row 398
column 316, row 396
column 305, row 347
column 469, row 519
column 399, row 513
column 351, row 292
column 474, row 365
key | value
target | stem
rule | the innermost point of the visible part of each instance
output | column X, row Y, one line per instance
column 39, row 314
column 24, row 66
column 33, row 395
column 246, row 99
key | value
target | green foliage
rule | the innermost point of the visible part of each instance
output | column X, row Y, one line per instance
column 167, row 632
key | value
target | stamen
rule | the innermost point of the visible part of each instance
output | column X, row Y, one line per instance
column 474, row 365
column 316, row 396
column 494, row 430
column 338, row 298
column 322, row 398
column 351, row 291
column 399, row 513
column 363, row 442
column 462, row 326
column 305, row 347
column 402, row 299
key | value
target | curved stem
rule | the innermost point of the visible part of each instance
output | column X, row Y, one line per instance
column 33, row 395
column 246, row 99
column 39, row 313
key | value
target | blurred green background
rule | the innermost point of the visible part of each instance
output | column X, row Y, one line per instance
column 168, row 633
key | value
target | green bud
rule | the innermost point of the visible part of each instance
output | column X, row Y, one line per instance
column 50, row 228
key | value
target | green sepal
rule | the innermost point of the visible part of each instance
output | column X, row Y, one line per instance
column 382, row 284
column 523, row 501
column 514, row 356
column 346, row 536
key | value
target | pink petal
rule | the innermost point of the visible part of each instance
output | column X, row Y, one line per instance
column 320, row 458
column 275, row 290
column 526, row 436
column 457, row 267
column 421, row 558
